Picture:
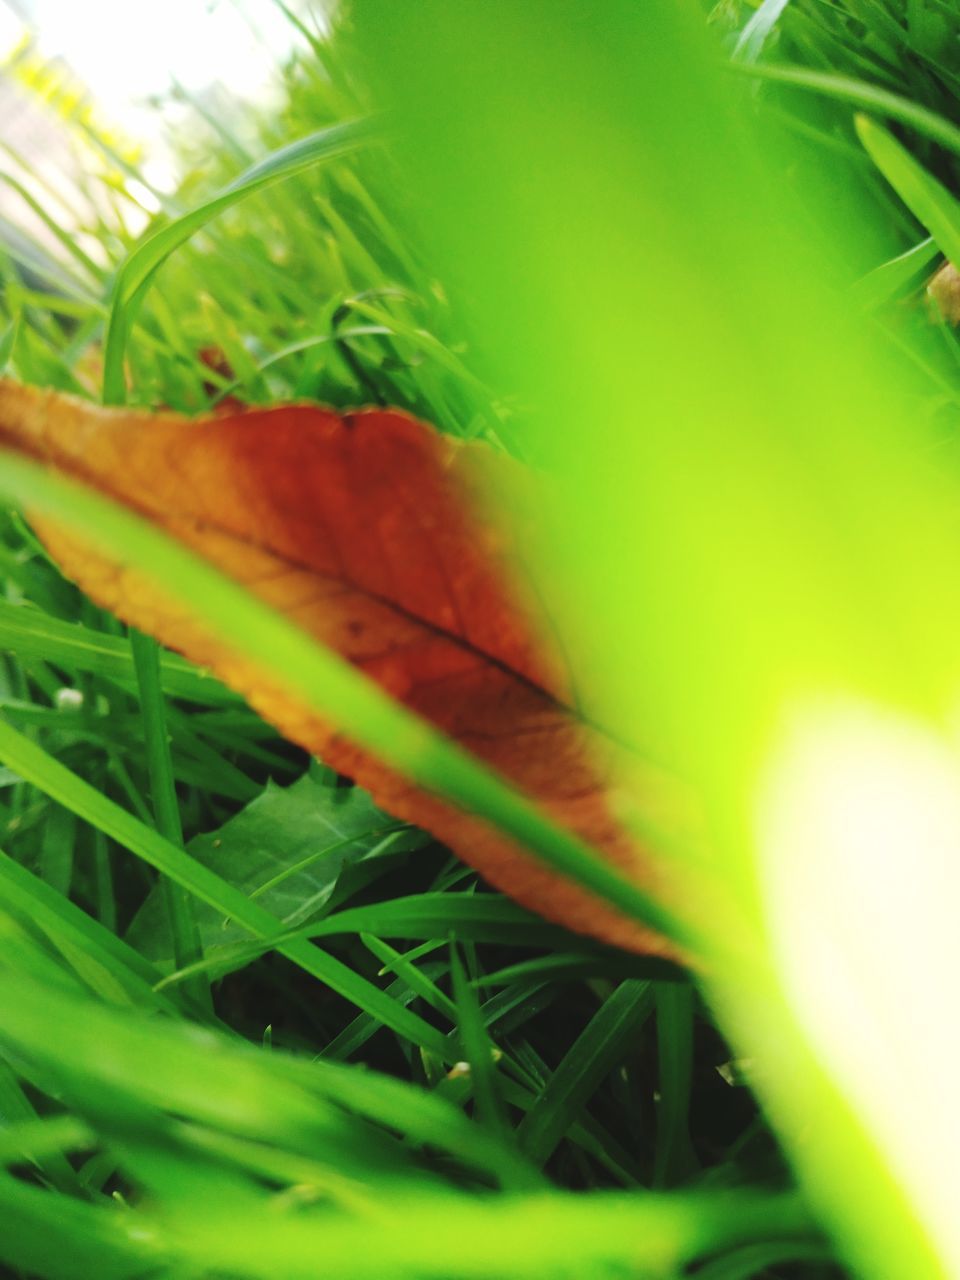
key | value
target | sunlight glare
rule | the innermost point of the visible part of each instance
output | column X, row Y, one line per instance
column 125, row 52
column 859, row 840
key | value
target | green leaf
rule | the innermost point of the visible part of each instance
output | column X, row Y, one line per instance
column 287, row 850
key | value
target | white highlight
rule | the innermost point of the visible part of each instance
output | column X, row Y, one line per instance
column 127, row 49
column 859, row 840
column 11, row 31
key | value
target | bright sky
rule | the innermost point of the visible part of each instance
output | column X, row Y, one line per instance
column 127, row 50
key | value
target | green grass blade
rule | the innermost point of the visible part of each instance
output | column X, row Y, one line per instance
column 185, row 936
column 860, row 94
column 592, row 1055
column 135, row 276
column 927, row 199
column 479, row 1051
column 418, row 982
column 8, row 341
column 675, row 1159
column 421, row 1116
column 759, row 29
column 64, row 1238
column 159, row 1066
column 603, row 1236
column 35, row 765
column 56, row 230
column 890, row 279
column 17, row 1114
column 420, row 917
column 755, row 1260
column 271, row 1097
column 58, row 917
column 30, row 633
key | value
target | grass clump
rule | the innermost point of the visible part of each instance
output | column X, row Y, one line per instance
column 251, row 1025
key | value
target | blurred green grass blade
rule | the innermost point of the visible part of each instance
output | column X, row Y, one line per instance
column 927, row 198
column 39, row 1140
column 17, row 1113
column 751, row 525
column 591, row 1056
column 892, row 278
column 43, row 265
column 55, row 863
column 41, row 958
column 134, row 277
column 603, row 1235
column 755, row 1260
column 35, row 765
column 67, row 241
column 57, row 916
column 758, row 30
column 65, row 1238
column 421, row 1116
column 286, row 1169
column 8, row 341
column 158, row 1065
column 430, row 1237
column 299, row 348
column 313, row 1107
column 863, row 95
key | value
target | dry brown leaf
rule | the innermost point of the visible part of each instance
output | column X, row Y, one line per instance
column 367, row 530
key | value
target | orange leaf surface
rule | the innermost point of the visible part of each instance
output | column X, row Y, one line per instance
column 369, row 530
